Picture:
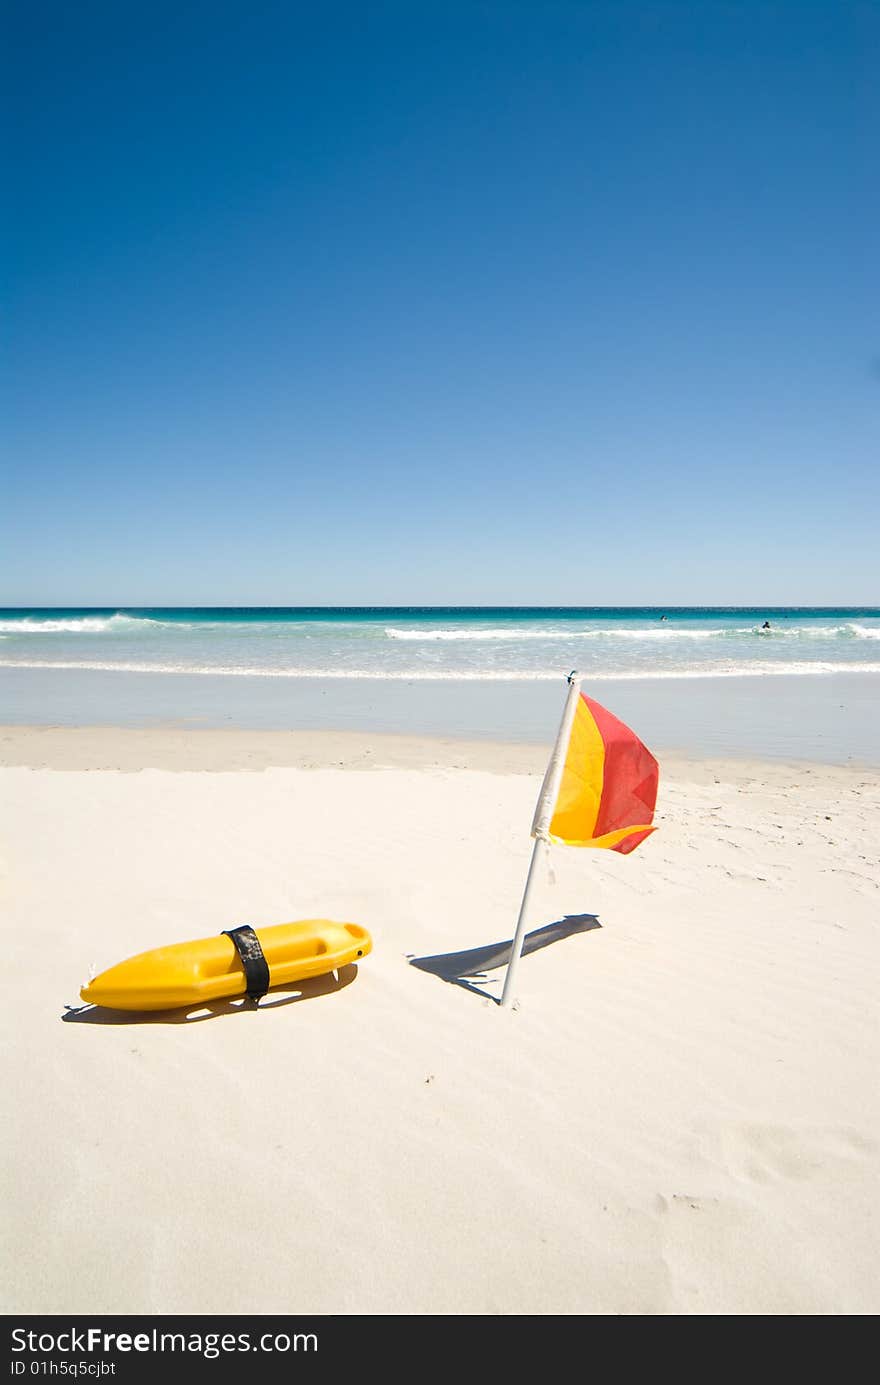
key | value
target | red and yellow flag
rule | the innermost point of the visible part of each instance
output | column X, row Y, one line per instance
column 608, row 787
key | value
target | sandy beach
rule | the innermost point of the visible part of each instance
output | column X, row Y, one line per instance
column 679, row 1114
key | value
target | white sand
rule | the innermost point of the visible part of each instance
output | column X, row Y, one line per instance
column 679, row 1117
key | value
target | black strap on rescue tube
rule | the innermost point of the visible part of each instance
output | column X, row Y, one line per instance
column 256, row 968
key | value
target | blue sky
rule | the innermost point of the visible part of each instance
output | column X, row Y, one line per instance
column 472, row 303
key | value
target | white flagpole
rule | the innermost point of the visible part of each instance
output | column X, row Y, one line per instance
column 541, row 823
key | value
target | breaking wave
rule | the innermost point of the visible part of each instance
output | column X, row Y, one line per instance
column 848, row 630
column 76, row 625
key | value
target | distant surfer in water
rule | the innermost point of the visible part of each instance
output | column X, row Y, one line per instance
column 766, row 625
column 662, row 617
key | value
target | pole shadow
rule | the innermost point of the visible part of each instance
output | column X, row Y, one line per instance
column 308, row 989
column 464, row 968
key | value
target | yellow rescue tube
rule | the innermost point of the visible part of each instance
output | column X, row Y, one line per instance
column 211, row 968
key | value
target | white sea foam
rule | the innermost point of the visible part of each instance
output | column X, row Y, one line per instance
column 612, row 633
column 864, row 632
column 745, row 670
column 512, row 634
column 80, row 625
column 549, row 634
column 25, row 626
column 661, row 634
column 806, row 632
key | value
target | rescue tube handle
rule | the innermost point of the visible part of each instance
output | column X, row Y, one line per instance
column 256, row 968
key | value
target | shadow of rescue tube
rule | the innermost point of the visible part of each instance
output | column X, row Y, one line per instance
column 243, row 961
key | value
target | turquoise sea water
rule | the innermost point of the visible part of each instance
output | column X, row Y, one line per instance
column 445, row 644
column 706, row 681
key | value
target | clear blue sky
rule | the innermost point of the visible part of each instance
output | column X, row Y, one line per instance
column 441, row 302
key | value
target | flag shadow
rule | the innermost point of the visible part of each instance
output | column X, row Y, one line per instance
column 464, row 968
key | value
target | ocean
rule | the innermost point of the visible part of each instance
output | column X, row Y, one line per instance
column 446, row 644
column 472, row 671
